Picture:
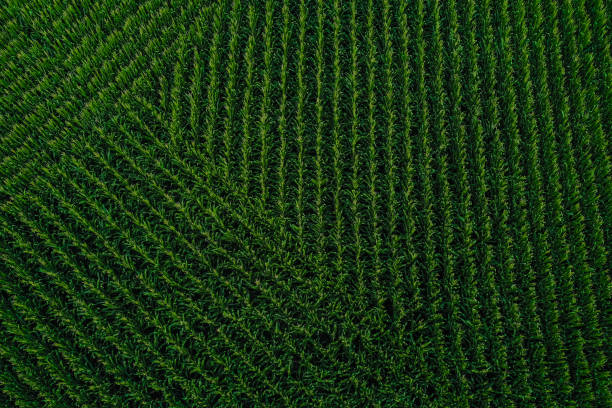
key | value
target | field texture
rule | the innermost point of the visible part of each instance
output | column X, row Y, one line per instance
column 305, row 203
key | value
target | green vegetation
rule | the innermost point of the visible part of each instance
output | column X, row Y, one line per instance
column 305, row 203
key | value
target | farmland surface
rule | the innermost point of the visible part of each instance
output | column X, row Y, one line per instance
column 305, row 203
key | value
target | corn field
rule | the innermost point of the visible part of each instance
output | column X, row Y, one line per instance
column 305, row 203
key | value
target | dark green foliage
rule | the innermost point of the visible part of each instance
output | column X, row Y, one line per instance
column 305, row 203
